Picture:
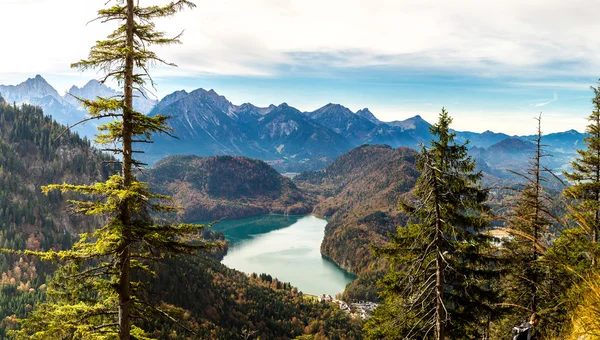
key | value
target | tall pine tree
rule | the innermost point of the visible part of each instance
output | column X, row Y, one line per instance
column 585, row 189
column 97, row 293
column 441, row 262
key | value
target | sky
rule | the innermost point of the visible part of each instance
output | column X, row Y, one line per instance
column 494, row 65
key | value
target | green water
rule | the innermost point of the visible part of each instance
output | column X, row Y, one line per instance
column 286, row 247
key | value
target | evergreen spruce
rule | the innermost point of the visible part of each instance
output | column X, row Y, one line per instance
column 441, row 264
column 99, row 291
column 585, row 189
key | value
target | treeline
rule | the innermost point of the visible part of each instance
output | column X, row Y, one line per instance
column 226, row 187
column 360, row 192
column 452, row 275
column 222, row 303
column 35, row 150
column 211, row 299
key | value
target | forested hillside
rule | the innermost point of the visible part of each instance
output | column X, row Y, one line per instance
column 226, row 187
column 35, row 152
column 360, row 193
column 219, row 302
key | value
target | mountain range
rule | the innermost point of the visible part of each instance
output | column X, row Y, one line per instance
column 207, row 124
column 66, row 109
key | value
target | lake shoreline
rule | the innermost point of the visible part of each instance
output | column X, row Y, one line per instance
column 287, row 247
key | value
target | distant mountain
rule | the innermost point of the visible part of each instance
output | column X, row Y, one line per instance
column 514, row 153
column 484, row 140
column 207, row 124
column 66, row 109
column 561, row 142
column 343, row 121
column 365, row 113
column 510, row 153
column 91, row 90
column 36, row 87
column 416, row 127
column 226, row 187
column 288, row 132
column 37, row 91
column 94, row 89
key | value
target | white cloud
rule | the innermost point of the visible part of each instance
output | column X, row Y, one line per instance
column 547, row 102
column 240, row 37
column 556, row 85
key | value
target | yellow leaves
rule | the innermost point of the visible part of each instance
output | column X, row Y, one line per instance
column 137, row 196
column 101, row 106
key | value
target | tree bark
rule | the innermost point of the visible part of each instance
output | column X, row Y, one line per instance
column 440, row 311
column 536, row 221
column 124, row 256
column 597, row 215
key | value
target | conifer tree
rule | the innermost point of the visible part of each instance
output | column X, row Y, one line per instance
column 437, row 287
column 97, row 293
column 531, row 225
column 585, row 189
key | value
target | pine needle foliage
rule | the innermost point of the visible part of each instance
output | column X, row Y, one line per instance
column 527, row 285
column 441, row 263
column 584, row 192
column 99, row 291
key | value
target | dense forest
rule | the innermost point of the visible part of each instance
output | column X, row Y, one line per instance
column 34, row 150
column 359, row 193
column 217, row 301
column 226, row 187
column 89, row 250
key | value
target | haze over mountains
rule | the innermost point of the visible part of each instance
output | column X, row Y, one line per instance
column 65, row 109
column 208, row 124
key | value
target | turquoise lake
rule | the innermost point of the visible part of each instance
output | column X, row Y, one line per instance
column 286, row 247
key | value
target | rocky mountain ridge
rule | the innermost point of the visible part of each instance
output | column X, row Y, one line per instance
column 208, row 124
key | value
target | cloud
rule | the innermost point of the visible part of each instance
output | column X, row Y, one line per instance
column 578, row 86
column 269, row 37
column 548, row 102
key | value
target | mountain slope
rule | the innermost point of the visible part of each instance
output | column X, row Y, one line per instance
column 66, row 109
column 37, row 91
column 207, row 124
column 343, row 121
column 367, row 114
column 288, row 133
column 226, row 187
column 360, row 193
column 484, row 139
column 32, row 155
column 217, row 302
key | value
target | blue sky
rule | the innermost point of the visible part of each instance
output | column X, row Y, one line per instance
column 477, row 104
column 493, row 65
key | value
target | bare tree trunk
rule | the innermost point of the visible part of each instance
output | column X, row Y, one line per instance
column 440, row 311
column 597, row 215
column 124, row 256
column 536, row 221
